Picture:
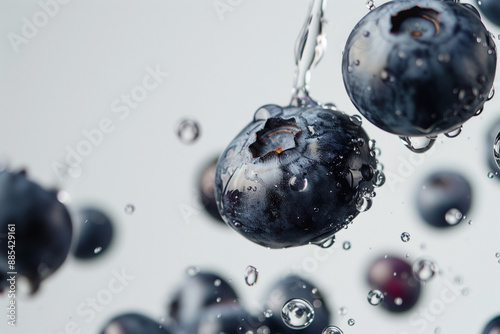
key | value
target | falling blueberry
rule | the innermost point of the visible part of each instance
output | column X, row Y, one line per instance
column 444, row 198
column 394, row 278
column 41, row 227
column 295, row 176
column 403, row 66
column 95, row 233
column 133, row 323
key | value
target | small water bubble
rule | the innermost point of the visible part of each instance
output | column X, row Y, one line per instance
column 251, row 275
column 351, row 322
column 491, row 174
column 407, row 255
column 424, row 269
column 192, row 271
column 454, row 133
column 398, row 301
column 496, row 150
column 268, row 313
column 363, row 203
column 332, row 330
column 97, row 250
column 342, row 311
column 497, row 255
column 346, row 245
column 297, row 313
column 491, row 94
column 405, row 236
column 356, row 119
column 453, row 216
column 217, row 282
column 375, row 297
column 370, row 4
column 298, row 183
column 418, row 144
column 129, row 209
column 188, row 131
column 465, row 292
column 325, row 243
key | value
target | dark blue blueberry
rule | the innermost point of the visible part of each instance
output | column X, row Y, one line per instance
column 493, row 327
column 198, row 292
column 43, row 230
column 490, row 138
column 490, row 9
column 394, row 278
column 95, row 233
column 133, row 323
column 227, row 319
column 419, row 67
column 206, row 189
column 443, row 198
column 290, row 288
column 295, row 175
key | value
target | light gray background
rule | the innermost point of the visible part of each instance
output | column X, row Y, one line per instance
column 221, row 69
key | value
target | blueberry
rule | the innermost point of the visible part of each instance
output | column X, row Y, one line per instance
column 444, row 198
column 419, row 67
column 493, row 327
column 206, row 189
column 490, row 139
column 43, row 230
column 293, row 287
column 490, row 9
column 227, row 319
column 197, row 292
column 95, row 234
column 133, row 323
column 394, row 277
column 295, row 176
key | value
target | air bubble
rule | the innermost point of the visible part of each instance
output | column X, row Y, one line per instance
column 496, row 150
column 424, row 269
column 297, row 313
column 379, row 178
column 497, row 255
column 298, row 183
column 217, row 282
column 491, row 174
column 342, row 311
column 418, row 144
column 332, row 330
column 453, row 216
column 129, row 209
column 346, row 245
column 375, row 297
column 370, row 4
column 398, row 301
column 268, row 313
column 192, row 271
column 351, row 322
column 188, row 131
column 405, row 236
column 251, row 275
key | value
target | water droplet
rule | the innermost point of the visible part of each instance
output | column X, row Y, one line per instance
column 491, row 94
column 346, row 245
column 188, row 131
column 342, row 311
column 497, row 255
column 297, row 313
column 129, row 209
column 351, row 322
column 298, row 183
column 496, row 150
column 453, row 216
column 370, row 4
column 424, row 269
column 97, row 250
column 465, row 292
column 237, row 224
column 267, row 111
column 454, row 133
column 218, row 300
column 375, row 297
column 363, row 203
column 217, row 282
column 491, row 174
column 398, row 301
column 316, row 209
column 405, row 236
column 192, row 271
column 438, row 329
column 251, row 275
column 332, row 330
column 62, row 196
column 418, row 144
column 379, row 178
column 356, row 119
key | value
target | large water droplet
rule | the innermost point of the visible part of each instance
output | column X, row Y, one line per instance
column 267, row 111
column 454, row 133
column 325, row 243
column 405, row 236
column 298, row 183
column 453, row 216
column 332, row 330
column 251, row 275
column 188, row 131
column 424, row 269
column 363, row 203
column 297, row 313
column 418, row 144
column 375, row 297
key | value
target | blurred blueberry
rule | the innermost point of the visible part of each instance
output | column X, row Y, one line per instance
column 95, row 233
column 490, row 9
column 133, row 323
column 493, row 327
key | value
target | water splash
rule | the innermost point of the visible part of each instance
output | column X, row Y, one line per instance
column 309, row 50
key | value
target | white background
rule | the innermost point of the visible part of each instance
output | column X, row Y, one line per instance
column 221, row 69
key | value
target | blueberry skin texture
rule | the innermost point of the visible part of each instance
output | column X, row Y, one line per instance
column 43, row 229
column 227, row 319
column 197, row 293
column 404, row 285
column 493, row 326
column 293, row 177
column 96, row 230
column 490, row 9
column 296, row 287
column 133, row 323
column 421, row 85
column 440, row 192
